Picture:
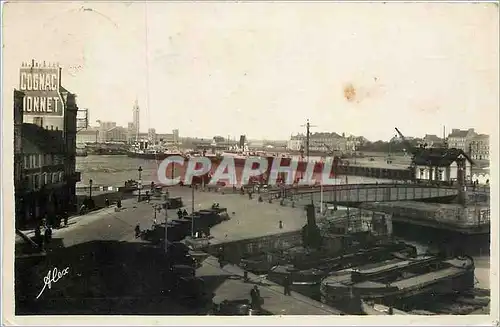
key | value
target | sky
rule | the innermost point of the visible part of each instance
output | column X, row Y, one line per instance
column 262, row 69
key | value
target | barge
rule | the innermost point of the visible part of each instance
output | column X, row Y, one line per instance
column 402, row 281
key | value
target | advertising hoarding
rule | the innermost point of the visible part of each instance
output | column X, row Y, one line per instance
column 40, row 84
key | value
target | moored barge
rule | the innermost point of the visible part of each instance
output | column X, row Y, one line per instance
column 397, row 281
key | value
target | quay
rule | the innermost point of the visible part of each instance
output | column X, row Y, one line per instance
column 112, row 231
column 253, row 228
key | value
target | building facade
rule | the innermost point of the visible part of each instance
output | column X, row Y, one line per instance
column 461, row 139
column 479, row 147
column 442, row 165
column 89, row 135
column 18, row 150
column 116, row 134
column 45, row 138
column 320, row 142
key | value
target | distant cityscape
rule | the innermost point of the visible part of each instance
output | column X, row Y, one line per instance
column 475, row 144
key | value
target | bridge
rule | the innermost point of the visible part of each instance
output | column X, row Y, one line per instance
column 355, row 194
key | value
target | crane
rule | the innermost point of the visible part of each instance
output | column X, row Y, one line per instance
column 330, row 151
column 410, row 148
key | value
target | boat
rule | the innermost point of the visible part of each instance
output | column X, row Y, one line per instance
column 397, row 281
column 153, row 154
column 366, row 253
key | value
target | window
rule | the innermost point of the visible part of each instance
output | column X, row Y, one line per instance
column 36, row 181
column 440, row 174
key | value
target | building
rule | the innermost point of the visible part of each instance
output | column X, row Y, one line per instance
column 432, row 141
column 136, row 121
column 460, row 139
column 327, row 142
column 296, row 142
column 152, row 135
column 46, row 174
column 353, row 143
column 89, row 135
column 479, row 147
column 131, row 135
column 104, row 127
column 319, row 142
column 442, row 165
column 18, row 150
column 116, row 134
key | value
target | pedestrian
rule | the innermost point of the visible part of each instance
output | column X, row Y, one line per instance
column 287, row 285
column 137, row 230
column 83, row 208
column 245, row 276
column 47, row 234
column 179, row 213
column 38, row 237
column 255, row 297
column 106, row 202
column 119, row 203
column 281, row 224
column 185, row 213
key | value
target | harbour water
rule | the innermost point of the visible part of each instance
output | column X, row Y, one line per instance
column 114, row 170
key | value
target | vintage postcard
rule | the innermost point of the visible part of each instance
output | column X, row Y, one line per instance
column 250, row 163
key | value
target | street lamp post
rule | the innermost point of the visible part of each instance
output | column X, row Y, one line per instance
column 139, row 185
column 90, row 189
column 192, row 210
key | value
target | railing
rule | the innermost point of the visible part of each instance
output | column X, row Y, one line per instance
column 366, row 193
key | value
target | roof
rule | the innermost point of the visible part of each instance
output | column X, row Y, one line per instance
column 325, row 134
column 432, row 137
column 439, row 157
column 458, row 133
column 36, row 139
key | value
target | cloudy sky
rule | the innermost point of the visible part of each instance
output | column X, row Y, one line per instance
column 262, row 69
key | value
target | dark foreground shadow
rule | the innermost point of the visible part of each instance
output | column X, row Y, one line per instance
column 104, row 277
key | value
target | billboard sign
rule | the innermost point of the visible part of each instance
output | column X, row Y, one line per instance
column 40, row 84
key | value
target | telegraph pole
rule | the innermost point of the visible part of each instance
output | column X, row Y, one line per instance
column 308, row 135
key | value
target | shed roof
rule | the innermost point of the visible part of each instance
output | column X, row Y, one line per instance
column 439, row 157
